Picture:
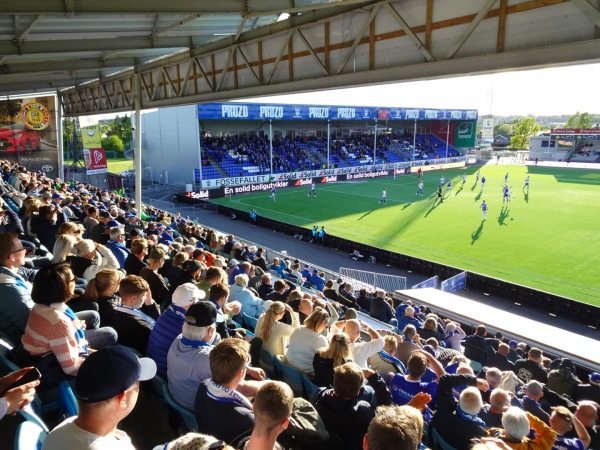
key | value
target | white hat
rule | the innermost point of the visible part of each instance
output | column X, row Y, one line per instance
column 186, row 294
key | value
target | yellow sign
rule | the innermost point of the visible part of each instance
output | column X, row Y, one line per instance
column 91, row 136
column 35, row 116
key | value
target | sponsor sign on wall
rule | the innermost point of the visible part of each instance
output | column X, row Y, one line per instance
column 95, row 160
column 28, row 133
column 257, row 111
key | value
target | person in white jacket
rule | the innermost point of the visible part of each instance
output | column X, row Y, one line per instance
column 453, row 336
column 91, row 258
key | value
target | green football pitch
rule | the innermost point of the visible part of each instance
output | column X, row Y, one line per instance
column 546, row 238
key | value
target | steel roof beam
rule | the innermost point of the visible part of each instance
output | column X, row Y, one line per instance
column 247, row 8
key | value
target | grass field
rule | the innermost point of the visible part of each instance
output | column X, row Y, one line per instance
column 547, row 239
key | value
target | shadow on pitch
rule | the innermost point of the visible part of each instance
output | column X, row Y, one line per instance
column 474, row 186
column 478, row 196
column 526, row 195
column 435, row 205
column 458, row 191
column 475, row 235
column 406, row 205
column 503, row 216
column 365, row 214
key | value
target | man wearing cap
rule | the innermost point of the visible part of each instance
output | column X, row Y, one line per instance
column 318, row 279
column 116, row 244
column 106, row 388
column 169, row 324
column 562, row 421
column 563, row 380
column 589, row 391
column 136, row 316
column 188, row 358
column 233, row 270
column 98, row 233
column 158, row 285
column 513, row 356
column 190, row 273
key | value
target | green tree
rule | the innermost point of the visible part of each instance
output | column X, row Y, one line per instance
column 9, row 109
column 523, row 130
column 121, row 127
column 505, row 129
column 113, row 143
column 579, row 120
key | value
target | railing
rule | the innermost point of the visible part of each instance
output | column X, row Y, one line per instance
column 371, row 280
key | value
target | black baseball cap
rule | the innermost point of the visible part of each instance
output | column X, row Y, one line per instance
column 191, row 265
column 201, row 314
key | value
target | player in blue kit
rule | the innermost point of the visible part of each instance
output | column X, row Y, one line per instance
column 449, row 186
column 484, row 209
column 505, row 194
column 482, row 183
column 273, row 192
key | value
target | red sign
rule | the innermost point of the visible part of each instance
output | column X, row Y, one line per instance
column 576, row 131
column 95, row 160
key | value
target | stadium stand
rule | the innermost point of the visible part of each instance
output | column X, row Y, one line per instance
column 184, row 252
column 237, row 155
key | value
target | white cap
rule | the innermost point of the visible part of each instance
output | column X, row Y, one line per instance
column 186, row 294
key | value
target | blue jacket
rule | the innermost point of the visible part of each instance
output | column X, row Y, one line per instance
column 120, row 251
column 15, row 306
column 166, row 329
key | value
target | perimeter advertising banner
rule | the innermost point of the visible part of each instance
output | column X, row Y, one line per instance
column 432, row 282
column 487, row 129
column 94, row 155
column 455, row 283
column 95, row 160
column 465, row 133
column 28, row 133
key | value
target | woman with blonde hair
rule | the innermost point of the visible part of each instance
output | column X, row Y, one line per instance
column 102, row 289
column 275, row 334
column 306, row 340
column 63, row 247
column 327, row 359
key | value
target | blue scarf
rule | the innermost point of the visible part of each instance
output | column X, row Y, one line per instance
column 470, row 417
column 79, row 334
column 193, row 343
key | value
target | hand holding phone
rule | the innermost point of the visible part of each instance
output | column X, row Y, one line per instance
column 18, row 378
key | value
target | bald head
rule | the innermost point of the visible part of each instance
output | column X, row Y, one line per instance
column 305, row 306
column 587, row 412
column 352, row 329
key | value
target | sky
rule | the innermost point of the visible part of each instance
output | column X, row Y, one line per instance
column 552, row 91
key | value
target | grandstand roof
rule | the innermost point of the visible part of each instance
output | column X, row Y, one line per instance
column 95, row 51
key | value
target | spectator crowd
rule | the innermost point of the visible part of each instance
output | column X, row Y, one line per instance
column 106, row 294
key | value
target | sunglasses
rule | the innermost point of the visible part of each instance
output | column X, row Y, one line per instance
column 19, row 250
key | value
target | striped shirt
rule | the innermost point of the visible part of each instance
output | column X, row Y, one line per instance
column 50, row 330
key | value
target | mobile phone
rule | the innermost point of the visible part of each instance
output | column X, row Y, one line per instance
column 30, row 376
